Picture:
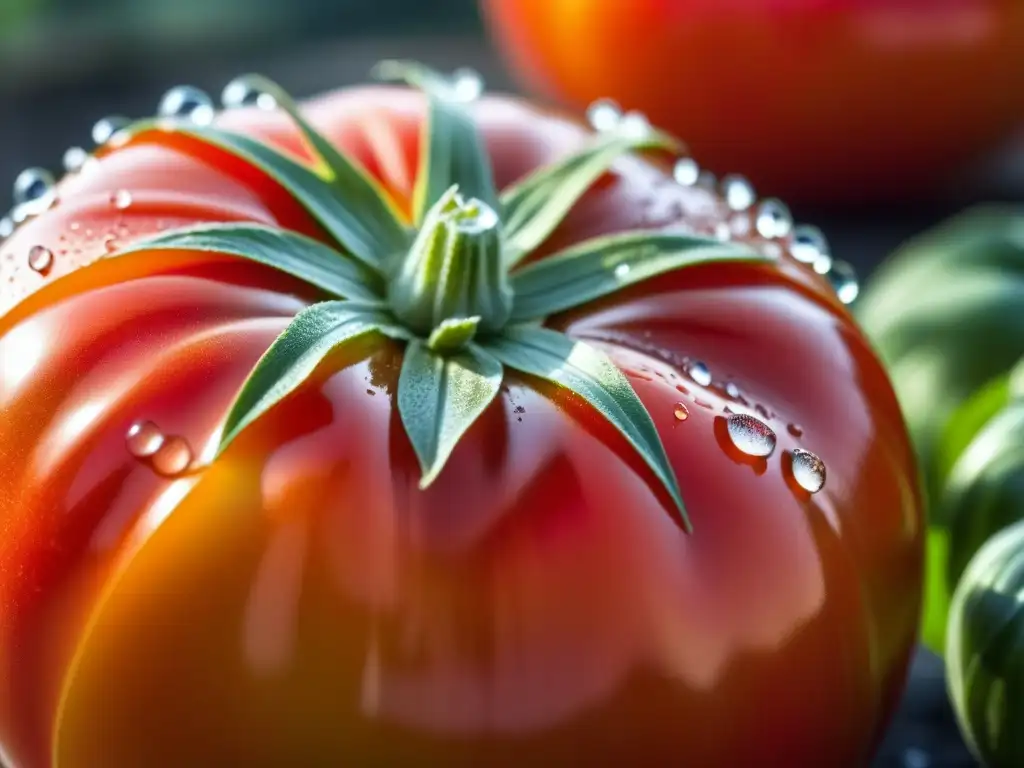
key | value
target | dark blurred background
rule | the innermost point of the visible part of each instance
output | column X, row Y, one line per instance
column 66, row 63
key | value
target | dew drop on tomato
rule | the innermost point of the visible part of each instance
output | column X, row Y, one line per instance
column 773, row 219
column 144, row 439
column 750, row 435
column 40, row 259
column 173, row 457
column 808, row 470
column 122, row 199
column 844, row 281
column 738, row 192
column 681, row 412
column 732, row 390
column 187, row 102
column 107, row 128
column 33, row 192
column 808, row 244
column 700, row 373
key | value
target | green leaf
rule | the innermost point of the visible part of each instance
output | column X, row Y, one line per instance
column 300, row 256
column 535, row 206
column 453, row 334
column 440, row 397
column 344, row 220
column 604, row 265
column 359, row 191
column 591, row 375
column 292, row 358
column 452, row 151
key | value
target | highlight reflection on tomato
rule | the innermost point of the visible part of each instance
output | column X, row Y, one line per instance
column 300, row 599
column 838, row 100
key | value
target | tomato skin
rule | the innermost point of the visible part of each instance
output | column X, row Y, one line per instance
column 815, row 100
column 301, row 599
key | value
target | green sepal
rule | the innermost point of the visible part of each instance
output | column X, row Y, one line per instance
column 533, row 207
column 591, row 375
column 321, row 266
column 295, row 354
column 439, row 398
column 452, row 151
column 453, row 335
column 599, row 267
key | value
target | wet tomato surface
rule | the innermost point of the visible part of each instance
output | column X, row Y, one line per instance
column 301, row 598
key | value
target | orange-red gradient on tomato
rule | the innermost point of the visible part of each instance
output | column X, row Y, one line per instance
column 302, row 602
column 820, row 100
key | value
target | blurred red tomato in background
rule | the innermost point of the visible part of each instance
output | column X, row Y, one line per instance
column 824, row 100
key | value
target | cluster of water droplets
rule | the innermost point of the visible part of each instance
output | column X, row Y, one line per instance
column 168, row 455
column 770, row 218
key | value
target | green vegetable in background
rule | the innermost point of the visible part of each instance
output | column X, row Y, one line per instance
column 946, row 314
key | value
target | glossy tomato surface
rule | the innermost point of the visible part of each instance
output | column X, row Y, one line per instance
column 841, row 100
column 300, row 601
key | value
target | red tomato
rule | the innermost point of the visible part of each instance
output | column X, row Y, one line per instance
column 839, row 100
column 300, row 601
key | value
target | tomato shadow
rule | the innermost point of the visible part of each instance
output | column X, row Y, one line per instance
column 757, row 463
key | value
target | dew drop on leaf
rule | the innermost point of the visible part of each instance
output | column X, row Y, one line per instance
column 808, row 470
column 750, row 435
column 604, row 115
column 245, row 91
column 144, row 439
column 173, row 457
column 40, row 259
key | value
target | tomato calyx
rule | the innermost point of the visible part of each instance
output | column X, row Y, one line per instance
column 452, row 286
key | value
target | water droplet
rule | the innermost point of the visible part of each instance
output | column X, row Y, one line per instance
column 121, row 199
column 172, row 457
column 34, row 192
column 246, row 91
column 187, row 102
column 916, row 758
column 466, row 84
column 808, row 470
column 808, row 244
column 732, row 390
column 750, row 434
column 773, row 219
column 686, row 171
column 604, row 115
column 700, row 373
column 795, row 430
column 635, row 125
column 680, row 412
column 823, row 264
column 6, row 227
column 738, row 192
column 106, row 128
column 622, row 270
column 144, row 439
column 40, row 259
column 75, row 159
column 844, row 281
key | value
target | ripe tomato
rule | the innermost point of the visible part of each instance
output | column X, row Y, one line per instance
column 300, row 600
column 826, row 100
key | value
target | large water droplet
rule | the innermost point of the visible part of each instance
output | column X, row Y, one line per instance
column 106, row 128
column 738, row 192
column 844, row 281
column 808, row 470
column 686, row 171
column 40, row 259
column 681, row 412
column 466, row 84
column 121, row 199
column 773, row 219
column 808, row 244
column 34, row 191
column 751, row 435
column 173, row 457
column 246, row 91
column 188, row 103
column 144, row 439
column 604, row 115
column 700, row 373
column 75, row 159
